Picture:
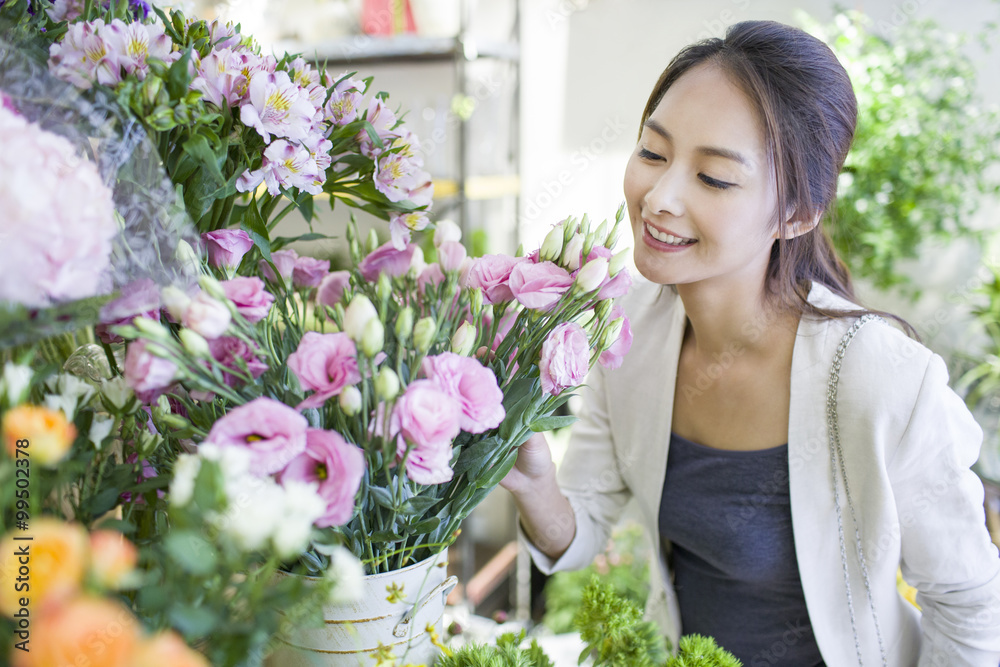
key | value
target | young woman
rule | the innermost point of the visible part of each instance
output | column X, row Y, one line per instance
column 795, row 486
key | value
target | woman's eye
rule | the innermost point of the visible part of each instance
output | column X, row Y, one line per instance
column 649, row 155
column 714, row 183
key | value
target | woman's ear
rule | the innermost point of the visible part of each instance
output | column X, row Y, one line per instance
column 795, row 228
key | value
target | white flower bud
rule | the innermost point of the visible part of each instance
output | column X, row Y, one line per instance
column 212, row 286
column 186, row 469
column 592, row 275
column 417, row 263
column 404, row 324
column 446, row 230
column 618, row 262
column 613, row 331
column 152, row 328
column 116, row 394
column 350, row 400
column 348, row 573
column 552, row 246
column 373, row 337
column 424, row 332
column 572, row 253
column 601, row 235
column 15, row 382
column 359, row 312
column 175, row 301
column 387, row 384
column 195, row 343
column 464, row 339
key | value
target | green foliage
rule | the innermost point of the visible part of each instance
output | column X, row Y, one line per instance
column 984, row 379
column 918, row 168
column 699, row 651
column 506, row 653
column 613, row 629
column 622, row 567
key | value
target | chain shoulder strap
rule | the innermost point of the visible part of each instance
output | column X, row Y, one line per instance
column 837, row 464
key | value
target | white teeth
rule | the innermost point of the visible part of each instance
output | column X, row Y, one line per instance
column 667, row 238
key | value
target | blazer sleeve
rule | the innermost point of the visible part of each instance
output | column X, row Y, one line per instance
column 591, row 480
column 946, row 554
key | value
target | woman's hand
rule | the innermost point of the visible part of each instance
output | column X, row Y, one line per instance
column 534, row 463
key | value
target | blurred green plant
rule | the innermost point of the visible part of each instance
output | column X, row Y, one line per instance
column 919, row 166
column 622, row 566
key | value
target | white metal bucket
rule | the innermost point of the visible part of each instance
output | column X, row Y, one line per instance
column 352, row 632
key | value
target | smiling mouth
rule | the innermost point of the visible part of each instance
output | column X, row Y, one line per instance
column 669, row 239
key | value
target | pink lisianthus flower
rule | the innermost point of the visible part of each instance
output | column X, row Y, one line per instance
column 247, row 293
column 309, row 271
column 284, row 261
column 207, row 316
column 490, row 273
column 336, row 467
column 427, row 419
column 611, row 288
column 286, row 165
column 451, row 255
column 235, row 354
column 386, row 259
column 402, row 224
column 146, row 373
column 331, row 288
column 226, row 247
column 612, row 357
column 430, row 276
column 324, row 363
column 273, row 433
column 275, row 105
column 539, row 286
column 471, row 384
column 565, row 358
column 140, row 298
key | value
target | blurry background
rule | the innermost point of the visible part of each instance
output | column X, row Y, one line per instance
column 528, row 112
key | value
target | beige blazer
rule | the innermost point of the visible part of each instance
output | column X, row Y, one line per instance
column 908, row 443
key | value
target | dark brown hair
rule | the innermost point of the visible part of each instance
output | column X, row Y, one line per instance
column 807, row 110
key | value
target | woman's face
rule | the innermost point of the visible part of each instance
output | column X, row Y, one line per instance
column 699, row 187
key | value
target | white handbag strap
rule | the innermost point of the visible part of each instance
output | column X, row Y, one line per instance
column 837, row 464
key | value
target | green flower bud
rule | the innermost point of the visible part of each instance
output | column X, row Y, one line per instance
column 588, row 244
column 372, row 240
column 570, row 226
column 476, row 302
column 424, row 332
column 195, row 343
column 350, row 400
column 175, row 301
column 152, row 328
column 373, row 338
column 612, row 333
column 212, row 287
column 387, row 384
column 601, row 235
column 404, row 324
column 571, row 255
column 603, row 309
column 383, row 288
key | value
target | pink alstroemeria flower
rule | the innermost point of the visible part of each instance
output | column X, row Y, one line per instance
column 276, row 105
column 132, row 44
column 82, row 57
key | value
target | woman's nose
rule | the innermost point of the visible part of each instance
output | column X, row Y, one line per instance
column 665, row 195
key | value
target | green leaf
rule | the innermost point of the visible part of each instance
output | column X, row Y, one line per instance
column 254, row 225
column 551, row 423
column 193, row 621
column 382, row 497
column 178, row 76
column 191, row 552
column 384, row 536
column 198, row 147
column 424, row 526
column 475, row 456
column 418, row 504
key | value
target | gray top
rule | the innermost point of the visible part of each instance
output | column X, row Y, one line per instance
column 727, row 518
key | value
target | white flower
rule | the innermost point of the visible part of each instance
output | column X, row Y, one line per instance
column 116, row 393
column 185, row 472
column 100, row 429
column 359, row 312
column 303, row 506
column 446, row 230
column 253, row 513
column 14, row 383
column 348, row 574
column 72, row 392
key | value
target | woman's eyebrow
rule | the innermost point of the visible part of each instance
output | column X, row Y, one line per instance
column 714, row 151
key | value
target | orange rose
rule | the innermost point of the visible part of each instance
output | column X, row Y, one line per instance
column 167, row 649
column 50, row 566
column 112, row 558
column 84, row 630
column 48, row 433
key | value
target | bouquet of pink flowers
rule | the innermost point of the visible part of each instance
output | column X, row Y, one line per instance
column 399, row 389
